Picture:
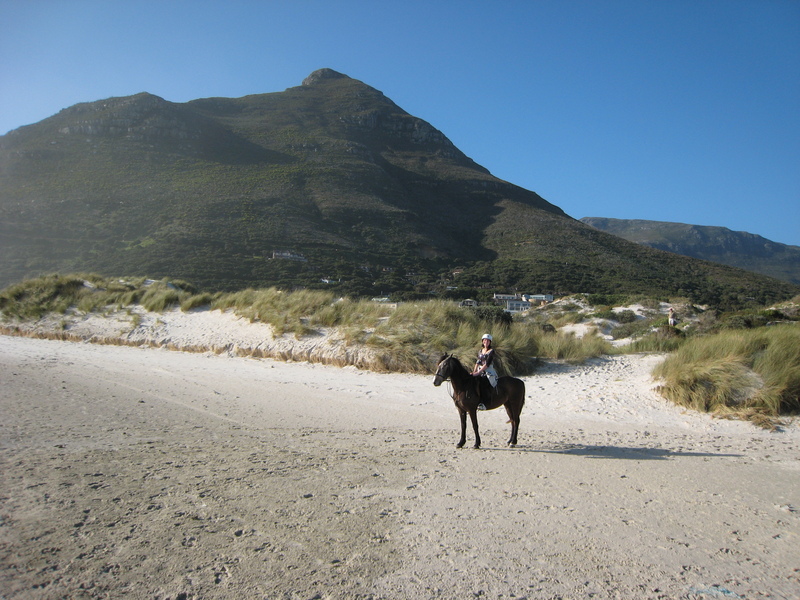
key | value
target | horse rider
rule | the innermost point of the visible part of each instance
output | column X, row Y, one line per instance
column 484, row 366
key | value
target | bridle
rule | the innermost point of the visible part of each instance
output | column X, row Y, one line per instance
column 438, row 374
column 439, row 368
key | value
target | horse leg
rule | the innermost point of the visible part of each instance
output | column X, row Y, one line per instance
column 463, row 416
column 513, row 418
column 473, row 415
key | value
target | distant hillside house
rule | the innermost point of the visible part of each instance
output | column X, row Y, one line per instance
column 288, row 256
column 520, row 302
column 513, row 306
column 467, row 302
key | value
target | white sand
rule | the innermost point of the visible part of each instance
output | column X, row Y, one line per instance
column 145, row 473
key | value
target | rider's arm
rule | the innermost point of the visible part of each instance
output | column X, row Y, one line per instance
column 479, row 368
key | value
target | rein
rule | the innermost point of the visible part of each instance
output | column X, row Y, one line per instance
column 449, row 379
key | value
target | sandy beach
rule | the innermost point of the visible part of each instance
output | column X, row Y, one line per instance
column 147, row 473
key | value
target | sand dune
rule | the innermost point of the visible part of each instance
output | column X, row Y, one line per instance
column 145, row 473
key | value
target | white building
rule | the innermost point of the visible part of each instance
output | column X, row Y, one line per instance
column 521, row 302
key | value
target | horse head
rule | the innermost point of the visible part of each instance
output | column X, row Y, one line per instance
column 443, row 369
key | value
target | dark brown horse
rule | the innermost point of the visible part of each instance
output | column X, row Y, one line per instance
column 469, row 392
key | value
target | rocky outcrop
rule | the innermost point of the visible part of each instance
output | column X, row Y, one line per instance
column 143, row 116
column 322, row 74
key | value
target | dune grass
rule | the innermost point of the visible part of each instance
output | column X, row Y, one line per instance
column 406, row 337
column 573, row 349
column 56, row 293
column 663, row 338
column 36, row 297
column 752, row 373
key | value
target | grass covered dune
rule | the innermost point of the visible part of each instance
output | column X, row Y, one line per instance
column 726, row 364
column 755, row 373
column 408, row 337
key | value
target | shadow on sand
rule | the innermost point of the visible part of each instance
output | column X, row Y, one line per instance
column 616, row 452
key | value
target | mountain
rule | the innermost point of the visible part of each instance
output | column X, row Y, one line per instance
column 331, row 178
column 717, row 244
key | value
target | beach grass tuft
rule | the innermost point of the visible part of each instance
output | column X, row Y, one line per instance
column 753, row 373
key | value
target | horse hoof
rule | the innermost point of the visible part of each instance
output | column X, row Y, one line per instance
column 510, row 445
column 459, row 445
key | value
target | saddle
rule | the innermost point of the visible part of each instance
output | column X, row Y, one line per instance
column 484, row 390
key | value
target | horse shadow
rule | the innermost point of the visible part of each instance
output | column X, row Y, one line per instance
column 616, row 452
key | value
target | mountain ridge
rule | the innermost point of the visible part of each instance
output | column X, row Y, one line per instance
column 740, row 249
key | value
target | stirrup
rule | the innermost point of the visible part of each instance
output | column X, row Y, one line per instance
column 481, row 406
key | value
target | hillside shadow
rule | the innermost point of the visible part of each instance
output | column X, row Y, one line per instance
column 616, row 452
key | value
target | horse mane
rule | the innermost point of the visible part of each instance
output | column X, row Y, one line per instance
column 461, row 376
column 461, row 370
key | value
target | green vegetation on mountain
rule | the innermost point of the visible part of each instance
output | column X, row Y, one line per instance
column 325, row 185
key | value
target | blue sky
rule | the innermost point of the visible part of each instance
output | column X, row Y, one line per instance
column 679, row 110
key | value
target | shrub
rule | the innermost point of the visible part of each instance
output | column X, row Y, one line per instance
column 707, row 322
column 159, row 299
column 568, row 307
column 572, row 349
column 338, row 313
column 651, row 303
column 566, row 318
column 663, row 339
column 743, row 320
column 755, row 372
column 606, row 314
column 492, row 314
column 607, row 299
column 637, row 328
column 36, row 297
column 773, row 315
column 196, row 301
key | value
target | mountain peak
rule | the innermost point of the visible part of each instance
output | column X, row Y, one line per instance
column 321, row 74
